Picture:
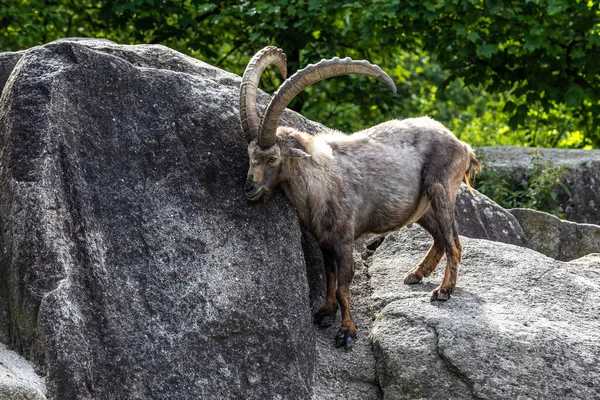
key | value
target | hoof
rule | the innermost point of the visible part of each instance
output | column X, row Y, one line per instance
column 440, row 294
column 326, row 321
column 345, row 338
column 412, row 278
column 324, row 318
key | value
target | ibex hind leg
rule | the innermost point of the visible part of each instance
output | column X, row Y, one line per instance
column 439, row 222
column 442, row 205
column 433, row 256
column 457, row 240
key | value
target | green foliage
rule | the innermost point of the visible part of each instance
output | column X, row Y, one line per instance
column 519, row 72
column 537, row 190
column 539, row 52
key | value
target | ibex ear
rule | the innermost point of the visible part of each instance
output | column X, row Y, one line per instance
column 291, row 146
column 297, row 153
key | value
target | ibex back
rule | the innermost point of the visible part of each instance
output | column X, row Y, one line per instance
column 343, row 187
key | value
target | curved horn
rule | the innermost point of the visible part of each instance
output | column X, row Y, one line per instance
column 304, row 78
column 249, row 88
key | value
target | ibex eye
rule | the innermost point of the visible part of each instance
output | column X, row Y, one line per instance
column 271, row 160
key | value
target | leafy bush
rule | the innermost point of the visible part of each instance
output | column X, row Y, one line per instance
column 520, row 72
column 537, row 189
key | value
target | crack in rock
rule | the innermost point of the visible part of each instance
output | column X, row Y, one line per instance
column 453, row 369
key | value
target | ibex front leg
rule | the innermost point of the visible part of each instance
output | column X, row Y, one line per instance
column 344, row 260
column 326, row 315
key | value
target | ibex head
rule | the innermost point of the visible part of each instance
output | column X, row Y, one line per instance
column 268, row 151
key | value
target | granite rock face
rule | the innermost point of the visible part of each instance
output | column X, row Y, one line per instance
column 8, row 60
column 132, row 266
column 520, row 325
column 18, row 379
column 584, row 179
column 556, row 238
column 481, row 218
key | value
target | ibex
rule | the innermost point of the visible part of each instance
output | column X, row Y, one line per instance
column 343, row 187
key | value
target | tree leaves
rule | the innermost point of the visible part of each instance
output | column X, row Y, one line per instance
column 486, row 50
column 524, row 63
column 472, row 36
column 574, row 96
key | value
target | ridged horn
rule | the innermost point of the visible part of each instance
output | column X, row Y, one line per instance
column 249, row 88
column 304, row 78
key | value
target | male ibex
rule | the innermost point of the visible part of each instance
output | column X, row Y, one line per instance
column 343, row 187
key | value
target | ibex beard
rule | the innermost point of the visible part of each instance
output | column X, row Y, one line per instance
column 344, row 187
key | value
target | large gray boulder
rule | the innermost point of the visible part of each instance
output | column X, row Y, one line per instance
column 132, row 266
column 520, row 325
column 8, row 60
column 480, row 217
column 18, row 379
column 556, row 238
column 583, row 180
